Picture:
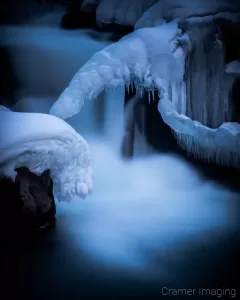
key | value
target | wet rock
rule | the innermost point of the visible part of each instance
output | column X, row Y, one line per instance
column 27, row 205
column 8, row 83
column 78, row 19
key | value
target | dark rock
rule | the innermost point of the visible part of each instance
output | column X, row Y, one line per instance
column 27, row 205
column 236, row 98
column 78, row 19
column 8, row 83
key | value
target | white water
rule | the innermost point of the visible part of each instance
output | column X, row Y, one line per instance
column 138, row 209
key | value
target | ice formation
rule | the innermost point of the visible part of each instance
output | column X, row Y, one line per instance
column 41, row 142
column 136, row 59
column 175, row 63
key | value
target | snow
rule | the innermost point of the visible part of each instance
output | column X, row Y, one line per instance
column 139, row 209
column 150, row 58
column 41, row 142
column 122, row 12
column 220, row 145
column 138, row 57
column 105, row 11
column 89, row 5
column 150, row 13
column 165, row 10
column 233, row 68
column 4, row 108
column 154, row 58
column 44, row 60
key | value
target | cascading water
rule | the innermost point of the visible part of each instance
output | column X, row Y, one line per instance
column 138, row 208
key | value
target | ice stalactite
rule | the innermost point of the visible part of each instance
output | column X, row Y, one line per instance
column 42, row 142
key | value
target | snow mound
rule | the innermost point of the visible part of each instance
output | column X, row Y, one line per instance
column 41, row 142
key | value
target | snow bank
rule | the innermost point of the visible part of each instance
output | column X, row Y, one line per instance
column 41, row 142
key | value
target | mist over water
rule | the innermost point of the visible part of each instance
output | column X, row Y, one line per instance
column 139, row 209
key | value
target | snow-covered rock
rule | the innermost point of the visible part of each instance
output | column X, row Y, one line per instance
column 42, row 142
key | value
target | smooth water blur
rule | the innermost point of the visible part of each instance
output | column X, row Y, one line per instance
column 144, row 208
column 139, row 209
column 44, row 59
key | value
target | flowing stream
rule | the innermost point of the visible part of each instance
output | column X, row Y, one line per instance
column 140, row 209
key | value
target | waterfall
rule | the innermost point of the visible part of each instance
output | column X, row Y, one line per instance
column 114, row 117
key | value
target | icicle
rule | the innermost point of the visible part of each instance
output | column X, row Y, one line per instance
column 149, row 97
column 128, row 89
column 153, row 96
column 131, row 84
column 99, row 24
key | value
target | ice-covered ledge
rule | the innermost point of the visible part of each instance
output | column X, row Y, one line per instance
column 208, row 129
column 42, row 142
column 220, row 145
